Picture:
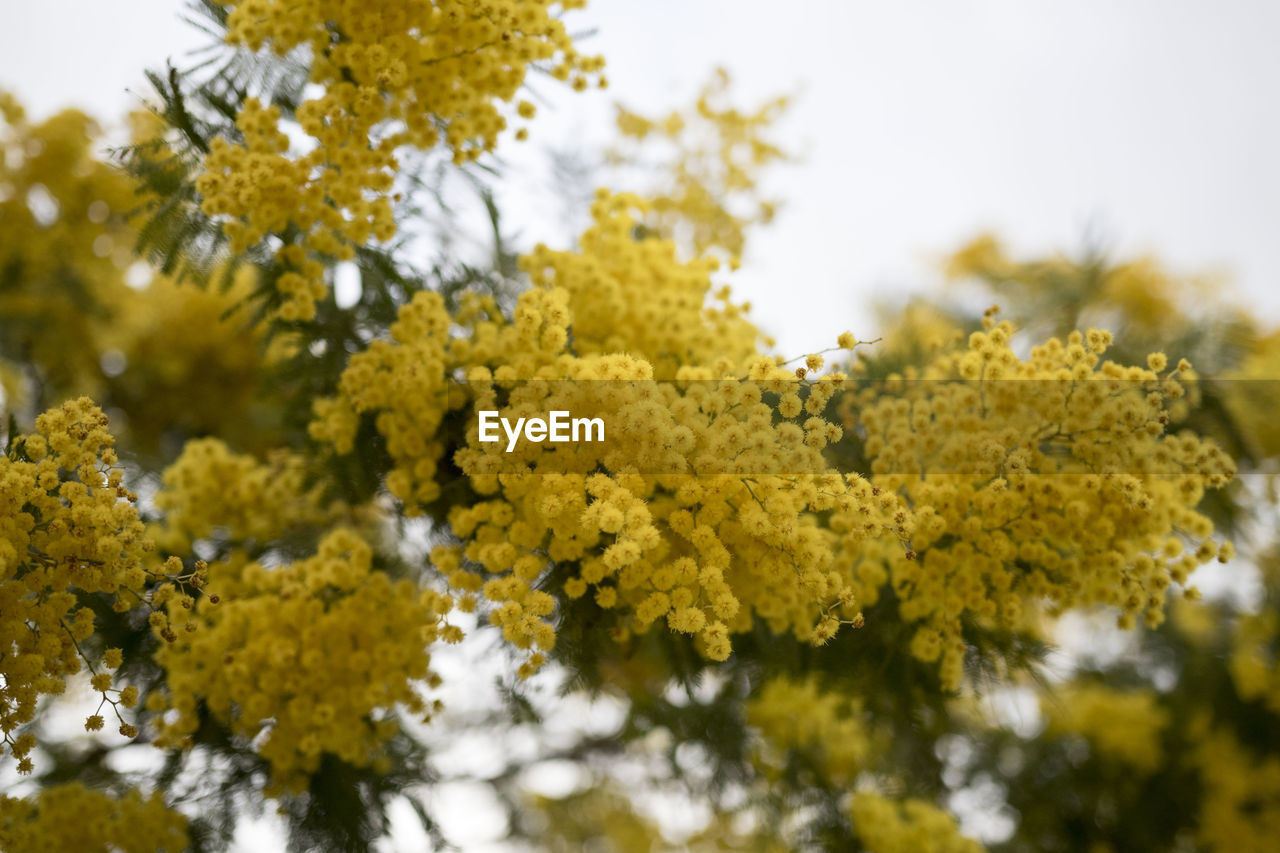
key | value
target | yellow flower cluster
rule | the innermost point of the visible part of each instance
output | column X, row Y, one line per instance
column 65, row 239
column 1123, row 726
column 208, row 489
column 709, row 186
column 1150, row 300
column 1253, row 395
column 73, row 817
column 166, row 355
column 825, row 727
column 67, row 526
column 906, row 826
column 595, row 816
column 634, row 296
column 707, row 555
column 403, row 380
column 192, row 364
column 675, row 530
column 1253, row 657
column 308, row 658
column 604, row 815
column 1047, row 479
column 1240, row 804
column 916, row 333
column 615, row 281
column 1018, row 482
column 393, row 74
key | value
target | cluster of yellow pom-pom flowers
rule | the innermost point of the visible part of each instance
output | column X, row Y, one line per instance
column 68, row 526
column 997, row 485
column 313, row 653
column 1051, row 479
column 708, row 191
column 394, row 75
column 73, row 817
column 704, row 553
column 912, row 824
column 828, row 728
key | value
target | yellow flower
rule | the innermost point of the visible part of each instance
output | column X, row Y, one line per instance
column 390, row 75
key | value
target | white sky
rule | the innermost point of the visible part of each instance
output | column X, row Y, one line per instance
column 1153, row 122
